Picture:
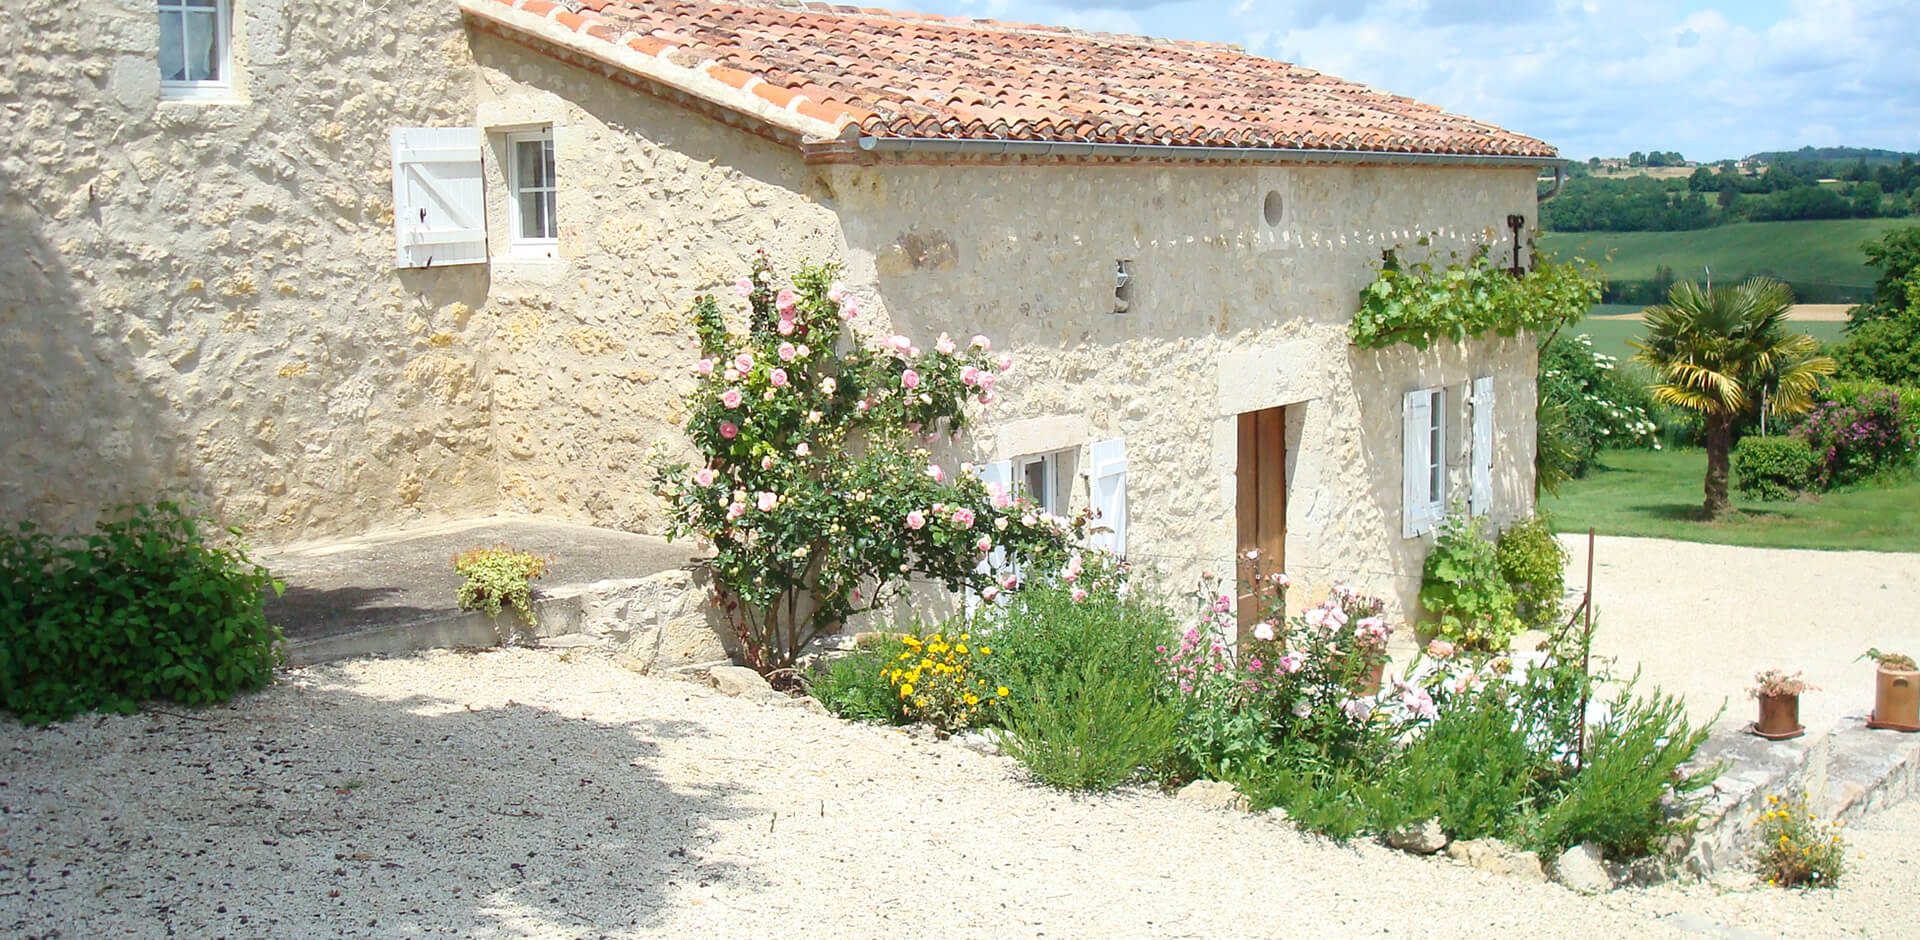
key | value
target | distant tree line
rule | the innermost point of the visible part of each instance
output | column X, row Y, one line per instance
column 1790, row 188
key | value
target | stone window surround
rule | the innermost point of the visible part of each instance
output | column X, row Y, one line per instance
column 221, row 90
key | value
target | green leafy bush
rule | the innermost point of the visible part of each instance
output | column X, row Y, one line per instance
column 1858, row 432
column 855, row 686
column 1794, row 849
column 1603, row 405
column 151, row 605
column 1474, row 769
column 1631, row 794
column 1534, row 564
column 1085, row 710
column 1773, row 468
column 499, row 577
column 1462, row 587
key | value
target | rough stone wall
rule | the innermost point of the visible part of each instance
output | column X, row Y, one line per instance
column 206, row 297
column 200, row 298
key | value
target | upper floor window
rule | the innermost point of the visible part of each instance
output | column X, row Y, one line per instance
column 530, row 182
column 195, row 54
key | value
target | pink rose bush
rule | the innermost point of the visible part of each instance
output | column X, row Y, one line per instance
column 813, row 433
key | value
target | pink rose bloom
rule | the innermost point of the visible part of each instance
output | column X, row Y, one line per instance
column 730, row 398
column 1079, row 594
column 743, row 287
column 1222, row 604
column 729, row 430
column 704, row 367
column 1280, row 578
column 1357, row 709
column 969, row 376
column 1263, row 630
column 778, row 378
column 785, row 300
column 899, row 343
column 862, row 406
column 1419, row 703
column 803, row 450
column 766, row 501
column 1009, row 582
column 743, row 362
column 981, row 342
column 1289, row 664
column 735, row 510
column 986, row 398
column 1440, row 649
column 849, row 310
column 703, row 476
column 984, row 544
column 944, row 344
column 913, row 351
column 986, row 381
column 916, row 519
column 837, row 292
column 990, row 593
column 787, row 352
column 766, row 463
column 938, row 475
column 910, row 379
column 732, row 374
column 1006, row 362
column 828, row 385
column 785, row 327
column 1029, row 519
column 963, row 518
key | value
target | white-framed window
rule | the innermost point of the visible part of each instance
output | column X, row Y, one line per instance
column 532, row 218
column 1424, row 460
column 1046, row 479
column 196, row 48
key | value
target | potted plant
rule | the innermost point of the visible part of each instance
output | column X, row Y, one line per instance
column 1779, row 696
column 1896, row 693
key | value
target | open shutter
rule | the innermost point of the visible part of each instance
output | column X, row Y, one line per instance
column 1415, row 420
column 439, row 200
column 1481, row 496
column 996, row 475
column 1109, row 479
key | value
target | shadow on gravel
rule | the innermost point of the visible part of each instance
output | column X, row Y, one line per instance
column 348, row 815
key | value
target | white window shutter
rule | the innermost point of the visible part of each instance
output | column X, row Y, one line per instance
column 1109, row 484
column 439, row 199
column 1415, row 421
column 1481, row 496
column 998, row 474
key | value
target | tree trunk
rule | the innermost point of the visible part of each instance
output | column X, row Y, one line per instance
column 1719, row 445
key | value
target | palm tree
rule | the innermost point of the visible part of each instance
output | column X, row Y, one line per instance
column 1711, row 349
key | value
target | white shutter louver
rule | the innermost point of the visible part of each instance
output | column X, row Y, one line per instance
column 1415, row 421
column 439, row 198
column 1109, row 484
column 996, row 475
column 1481, row 495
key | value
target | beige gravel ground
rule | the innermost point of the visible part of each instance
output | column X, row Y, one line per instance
column 527, row 793
column 1702, row 619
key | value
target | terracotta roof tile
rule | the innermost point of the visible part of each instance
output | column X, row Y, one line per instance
column 915, row 75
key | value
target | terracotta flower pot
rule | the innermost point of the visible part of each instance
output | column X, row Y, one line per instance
column 1896, row 699
column 1779, row 717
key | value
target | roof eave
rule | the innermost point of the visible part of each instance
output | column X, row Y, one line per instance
column 943, row 149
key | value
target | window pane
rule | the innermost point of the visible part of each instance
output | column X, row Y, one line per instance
column 532, row 215
column 202, row 63
column 1036, row 480
column 207, row 4
column 173, row 63
column 532, row 168
column 550, row 224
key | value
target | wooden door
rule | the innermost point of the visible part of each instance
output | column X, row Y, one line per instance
column 1260, row 478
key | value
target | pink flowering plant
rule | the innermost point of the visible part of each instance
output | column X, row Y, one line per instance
column 1291, row 686
column 813, row 484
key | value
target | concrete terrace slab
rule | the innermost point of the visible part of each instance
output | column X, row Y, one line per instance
column 394, row 592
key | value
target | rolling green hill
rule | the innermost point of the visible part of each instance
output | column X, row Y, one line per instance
column 1610, row 336
column 1823, row 251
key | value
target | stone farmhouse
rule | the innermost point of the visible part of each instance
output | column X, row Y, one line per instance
column 332, row 266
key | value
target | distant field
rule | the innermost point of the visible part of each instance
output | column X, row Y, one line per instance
column 1610, row 336
column 1826, row 251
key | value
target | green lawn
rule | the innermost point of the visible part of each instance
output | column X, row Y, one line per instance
column 1657, row 494
column 1826, row 251
column 1610, row 336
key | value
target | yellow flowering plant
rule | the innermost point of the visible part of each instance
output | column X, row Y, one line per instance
column 937, row 679
column 1797, row 850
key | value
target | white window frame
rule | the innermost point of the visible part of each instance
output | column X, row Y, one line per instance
column 1425, row 462
column 219, row 88
column 1054, row 498
column 518, row 244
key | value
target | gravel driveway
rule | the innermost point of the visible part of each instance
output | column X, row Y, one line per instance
column 532, row 793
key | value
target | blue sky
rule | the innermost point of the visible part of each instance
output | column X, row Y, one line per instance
column 1592, row 77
